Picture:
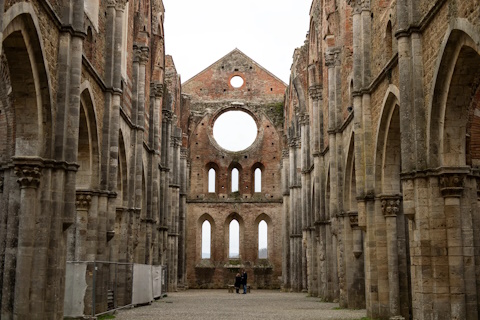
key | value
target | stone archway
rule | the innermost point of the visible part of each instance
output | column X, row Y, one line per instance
column 392, row 230
column 453, row 149
column 354, row 249
column 26, row 238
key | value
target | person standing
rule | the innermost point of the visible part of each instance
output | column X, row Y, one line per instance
column 238, row 282
column 244, row 281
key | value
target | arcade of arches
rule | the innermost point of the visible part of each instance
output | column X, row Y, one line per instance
column 361, row 186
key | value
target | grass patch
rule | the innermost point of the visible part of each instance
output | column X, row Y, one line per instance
column 106, row 316
column 337, row 308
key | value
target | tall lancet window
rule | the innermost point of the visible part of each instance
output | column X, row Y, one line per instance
column 235, row 180
column 262, row 240
column 258, row 180
column 206, row 239
column 234, row 240
column 211, row 180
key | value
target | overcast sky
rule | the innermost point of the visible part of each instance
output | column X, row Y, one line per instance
column 198, row 33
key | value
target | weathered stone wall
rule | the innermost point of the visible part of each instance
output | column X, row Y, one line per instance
column 81, row 110
column 401, row 194
column 209, row 94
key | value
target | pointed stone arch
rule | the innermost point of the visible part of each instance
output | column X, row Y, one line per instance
column 122, row 171
column 458, row 66
column 27, row 140
column 388, row 149
column 88, row 142
column 270, row 245
column 29, row 81
column 453, row 142
column 234, row 216
column 350, row 192
column 198, row 252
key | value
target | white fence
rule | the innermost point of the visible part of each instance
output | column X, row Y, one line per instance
column 97, row 287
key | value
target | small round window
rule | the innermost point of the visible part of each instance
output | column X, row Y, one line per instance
column 235, row 130
column 237, row 81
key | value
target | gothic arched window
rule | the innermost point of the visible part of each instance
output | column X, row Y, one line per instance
column 206, row 239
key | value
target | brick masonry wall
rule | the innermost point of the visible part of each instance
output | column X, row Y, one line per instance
column 208, row 95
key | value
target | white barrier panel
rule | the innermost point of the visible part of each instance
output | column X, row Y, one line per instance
column 142, row 284
column 157, row 281
column 75, row 288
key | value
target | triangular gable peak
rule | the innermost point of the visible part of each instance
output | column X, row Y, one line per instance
column 215, row 83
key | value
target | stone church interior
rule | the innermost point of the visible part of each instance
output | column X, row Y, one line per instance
column 360, row 184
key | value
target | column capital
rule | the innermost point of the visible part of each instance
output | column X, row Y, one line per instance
column 156, row 90
column 452, row 184
column 359, row 5
column 285, row 154
column 294, row 142
column 28, row 175
column 83, row 200
column 390, row 205
column 175, row 142
column 477, row 180
column 332, row 57
column 316, row 92
column 304, row 119
column 141, row 54
column 167, row 115
column 353, row 216
column 120, row 5
column 184, row 153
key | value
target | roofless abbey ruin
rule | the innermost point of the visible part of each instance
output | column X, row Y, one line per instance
column 361, row 183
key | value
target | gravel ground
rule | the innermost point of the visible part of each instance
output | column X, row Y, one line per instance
column 221, row 305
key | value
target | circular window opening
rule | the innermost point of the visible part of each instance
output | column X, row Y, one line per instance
column 237, row 81
column 235, row 130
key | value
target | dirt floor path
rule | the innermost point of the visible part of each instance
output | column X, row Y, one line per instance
column 221, row 305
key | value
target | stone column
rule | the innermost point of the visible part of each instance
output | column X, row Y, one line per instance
column 356, row 288
column 156, row 95
column 29, row 180
column 121, row 244
column 83, row 202
column 390, row 210
column 173, row 226
column 182, row 266
column 91, row 248
column 167, row 117
column 451, row 187
column 286, row 221
column 114, row 124
column 305, row 196
column 2, row 10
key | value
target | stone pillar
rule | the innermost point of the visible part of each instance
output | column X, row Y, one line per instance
column 114, row 125
column 182, row 266
column 295, row 216
column 390, row 210
column 173, row 221
column 121, row 246
column 315, row 92
column 91, row 248
column 29, row 180
column 356, row 288
column 83, row 202
column 2, row 10
column 286, row 221
column 156, row 95
column 451, row 187
column 305, row 196
column 167, row 117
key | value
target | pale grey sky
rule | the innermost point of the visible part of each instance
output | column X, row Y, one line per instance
column 198, row 33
